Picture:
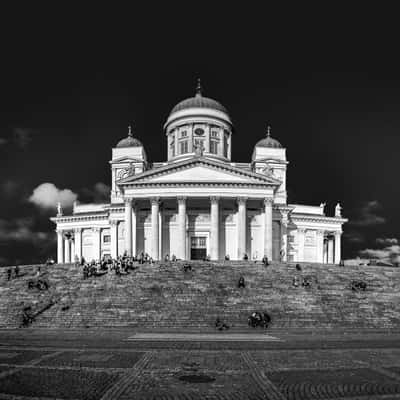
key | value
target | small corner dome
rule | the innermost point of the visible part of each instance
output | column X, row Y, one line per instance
column 129, row 141
column 269, row 141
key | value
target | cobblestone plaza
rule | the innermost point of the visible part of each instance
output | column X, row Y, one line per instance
column 72, row 368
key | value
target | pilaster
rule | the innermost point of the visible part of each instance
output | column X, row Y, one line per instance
column 214, row 228
column 268, row 227
column 242, row 201
column 181, row 228
column 155, row 202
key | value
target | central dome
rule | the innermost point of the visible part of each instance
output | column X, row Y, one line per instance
column 199, row 101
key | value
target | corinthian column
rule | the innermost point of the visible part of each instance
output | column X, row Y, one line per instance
column 154, row 228
column 268, row 228
column 60, row 247
column 67, row 254
column 214, row 242
column 128, row 226
column 338, row 247
column 114, row 238
column 134, row 229
column 284, row 246
column 182, row 228
column 241, row 227
column 78, row 243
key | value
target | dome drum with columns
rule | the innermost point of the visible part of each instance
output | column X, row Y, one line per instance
column 199, row 203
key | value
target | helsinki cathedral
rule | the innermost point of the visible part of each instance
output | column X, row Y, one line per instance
column 199, row 202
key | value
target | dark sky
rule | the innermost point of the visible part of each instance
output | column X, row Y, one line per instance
column 326, row 80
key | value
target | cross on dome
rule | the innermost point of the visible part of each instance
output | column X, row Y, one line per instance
column 198, row 87
column 130, row 130
column 269, row 131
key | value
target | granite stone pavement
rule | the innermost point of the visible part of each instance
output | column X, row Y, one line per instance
column 125, row 365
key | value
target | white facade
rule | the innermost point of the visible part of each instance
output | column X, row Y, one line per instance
column 199, row 202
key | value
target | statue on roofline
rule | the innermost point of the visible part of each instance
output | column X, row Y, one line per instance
column 59, row 210
column 338, row 210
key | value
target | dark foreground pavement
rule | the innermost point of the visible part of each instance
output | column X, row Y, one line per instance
column 123, row 364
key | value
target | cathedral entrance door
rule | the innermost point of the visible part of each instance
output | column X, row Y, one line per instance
column 198, row 248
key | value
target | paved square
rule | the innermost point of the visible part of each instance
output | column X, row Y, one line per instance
column 53, row 383
column 167, row 385
column 21, row 356
column 94, row 359
column 305, row 359
column 316, row 384
column 222, row 361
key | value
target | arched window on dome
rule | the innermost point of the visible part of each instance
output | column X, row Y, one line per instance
column 184, row 147
column 213, row 146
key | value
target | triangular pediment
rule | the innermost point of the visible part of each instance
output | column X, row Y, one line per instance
column 199, row 170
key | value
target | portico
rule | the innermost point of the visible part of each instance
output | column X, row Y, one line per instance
column 202, row 219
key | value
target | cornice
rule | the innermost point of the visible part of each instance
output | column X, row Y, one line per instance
column 318, row 218
column 198, row 184
column 75, row 218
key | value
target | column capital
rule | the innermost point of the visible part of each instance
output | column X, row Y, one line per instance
column 60, row 231
column 301, row 230
column 338, row 233
column 214, row 199
column 181, row 199
column 113, row 222
column 320, row 231
column 128, row 202
column 77, row 230
column 241, row 200
column 67, row 235
column 154, row 200
column 268, row 201
column 96, row 229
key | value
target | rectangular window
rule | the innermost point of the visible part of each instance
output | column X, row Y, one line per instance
column 214, row 134
column 184, row 147
column 213, row 147
column 107, row 239
column 184, row 134
column 172, row 147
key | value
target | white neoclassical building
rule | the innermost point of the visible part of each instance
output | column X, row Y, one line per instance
column 199, row 202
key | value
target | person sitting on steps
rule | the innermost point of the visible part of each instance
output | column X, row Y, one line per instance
column 187, row 267
column 220, row 325
column 227, row 257
column 241, row 283
column 298, row 267
column 265, row 261
column 245, row 257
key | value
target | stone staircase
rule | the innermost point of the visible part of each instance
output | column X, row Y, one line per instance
column 166, row 298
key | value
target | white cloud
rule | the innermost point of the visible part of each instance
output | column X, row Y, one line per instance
column 369, row 215
column 387, row 241
column 389, row 253
column 47, row 195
